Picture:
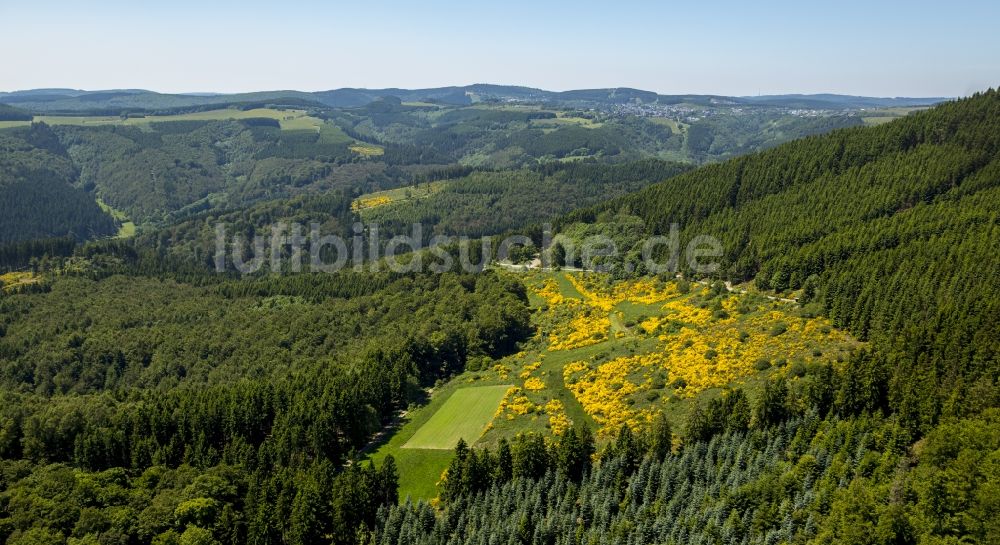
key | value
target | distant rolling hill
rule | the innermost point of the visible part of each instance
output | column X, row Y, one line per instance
column 73, row 100
column 825, row 101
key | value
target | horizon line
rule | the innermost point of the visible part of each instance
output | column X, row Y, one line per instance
column 527, row 87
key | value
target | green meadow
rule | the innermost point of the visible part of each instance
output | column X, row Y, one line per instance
column 464, row 416
column 290, row 120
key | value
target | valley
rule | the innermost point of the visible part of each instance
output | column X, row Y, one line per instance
column 499, row 273
column 830, row 376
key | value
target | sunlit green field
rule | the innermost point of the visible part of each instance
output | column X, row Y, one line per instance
column 127, row 228
column 420, row 469
column 290, row 120
column 464, row 416
column 885, row 115
column 564, row 119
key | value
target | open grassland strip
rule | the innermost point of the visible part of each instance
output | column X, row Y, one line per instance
column 464, row 416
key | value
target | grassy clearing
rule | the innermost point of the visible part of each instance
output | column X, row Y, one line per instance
column 660, row 350
column 885, row 115
column 629, row 350
column 464, row 416
column 573, row 158
column 420, row 469
column 127, row 230
column 290, row 120
column 390, row 196
column 675, row 126
column 563, row 119
column 367, row 150
column 418, row 104
column 12, row 280
column 566, row 288
column 127, row 227
column 507, row 107
column 878, row 120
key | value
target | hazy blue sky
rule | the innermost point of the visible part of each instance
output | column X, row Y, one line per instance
column 734, row 48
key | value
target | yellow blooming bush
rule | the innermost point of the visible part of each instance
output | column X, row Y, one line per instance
column 585, row 329
column 711, row 342
column 12, row 280
column 558, row 420
column 502, row 371
column 550, row 292
column 591, row 295
column 682, row 310
column 650, row 325
column 645, row 291
column 530, row 368
column 707, row 352
column 370, row 202
column 604, row 392
column 576, row 323
column 514, row 403
column 574, row 368
column 511, row 392
column 521, row 405
column 534, row 384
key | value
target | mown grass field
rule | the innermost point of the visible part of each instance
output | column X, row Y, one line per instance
column 464, row 416
column 420, row 469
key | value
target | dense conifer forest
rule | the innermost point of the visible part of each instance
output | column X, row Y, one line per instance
column 36, row 173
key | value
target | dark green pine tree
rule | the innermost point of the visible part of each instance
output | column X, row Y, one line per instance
column 661, row 437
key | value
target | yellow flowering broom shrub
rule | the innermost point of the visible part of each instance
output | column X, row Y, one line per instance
column 528, row 369
column 558, row 421
column 370, row 202
column 707, row 352
column 534, row 384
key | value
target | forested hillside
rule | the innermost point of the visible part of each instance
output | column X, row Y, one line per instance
column 890, row 231
column 489, row 203
column 10, row 113
column 36, row 175
column 152, row 174
column 168, row 409
column 515, row 135
column 806, row 480
column 153, row 169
